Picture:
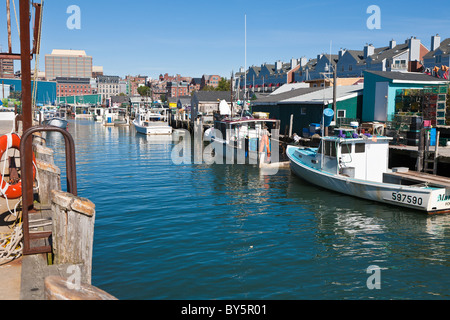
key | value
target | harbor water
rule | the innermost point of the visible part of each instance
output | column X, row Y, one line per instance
column 198, row 231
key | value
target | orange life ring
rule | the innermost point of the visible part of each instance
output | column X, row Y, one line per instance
column 11, row 191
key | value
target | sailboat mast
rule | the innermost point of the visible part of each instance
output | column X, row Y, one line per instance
column 245, row 63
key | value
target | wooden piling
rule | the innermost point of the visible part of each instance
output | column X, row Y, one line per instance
column 73, row 230
column 58, row 288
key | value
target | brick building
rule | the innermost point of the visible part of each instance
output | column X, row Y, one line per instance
column 66, row 86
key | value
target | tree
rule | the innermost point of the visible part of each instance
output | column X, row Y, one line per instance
column 224, row 85
column 208, row 88
column 144, row 91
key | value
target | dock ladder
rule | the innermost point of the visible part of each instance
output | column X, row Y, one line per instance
column 428, row 159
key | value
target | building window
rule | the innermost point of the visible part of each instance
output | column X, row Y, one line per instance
column 303, row 111
column 341, row 113
column 439, row 59
column 350, row 68
column 360, row 148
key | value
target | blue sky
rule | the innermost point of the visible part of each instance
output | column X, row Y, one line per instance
column 193, row 38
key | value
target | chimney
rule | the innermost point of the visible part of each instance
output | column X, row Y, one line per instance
column 414, row 49
column 303, row 61
column 294, row 63
column 278, row 65
column 392, row 44
column 369, row 50
column 435, row 42
column 341, row 53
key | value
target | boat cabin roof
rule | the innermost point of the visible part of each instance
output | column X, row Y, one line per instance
column 246, row 119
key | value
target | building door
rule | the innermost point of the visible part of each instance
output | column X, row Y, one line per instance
column 381, row 101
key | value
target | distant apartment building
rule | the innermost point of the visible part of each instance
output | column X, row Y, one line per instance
column 195, row 85
column 68, row 63
column 134, row 82
column 108, row 86
column 6, row 68
column 210, row 80
column 66, row 87
column 177, row 89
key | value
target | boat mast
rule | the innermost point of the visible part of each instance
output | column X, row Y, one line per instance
column 245, row 63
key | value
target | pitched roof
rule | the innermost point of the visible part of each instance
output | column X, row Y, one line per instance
column 388, row 53
column 212, row 95
column 407, row 76
column 444, row 47
column 357, row 55
column 275, row 98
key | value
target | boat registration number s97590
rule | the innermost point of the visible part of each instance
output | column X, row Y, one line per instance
column 406, row 198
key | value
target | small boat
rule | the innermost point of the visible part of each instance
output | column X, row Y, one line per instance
column 51, row 116
column 242, row 138
column 152, row 122
column 357, row 165
column 115, row 117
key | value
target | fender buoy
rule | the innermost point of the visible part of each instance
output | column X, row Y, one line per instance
column 11, row 191
column 265, row 145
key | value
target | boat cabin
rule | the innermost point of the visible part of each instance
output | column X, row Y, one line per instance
column 244, row 127
column 362, row 157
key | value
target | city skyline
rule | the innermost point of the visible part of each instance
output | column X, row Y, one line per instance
column 201, row 37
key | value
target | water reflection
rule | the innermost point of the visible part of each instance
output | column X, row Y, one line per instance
column 228, row 232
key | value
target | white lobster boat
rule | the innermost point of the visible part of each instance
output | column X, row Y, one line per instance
column 358, row 166
column 154, row 122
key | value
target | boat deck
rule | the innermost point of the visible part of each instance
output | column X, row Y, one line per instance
column 414, row 177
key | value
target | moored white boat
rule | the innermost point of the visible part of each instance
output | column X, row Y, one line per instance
column 152, row 122
column 358, row 166
column 243, row 138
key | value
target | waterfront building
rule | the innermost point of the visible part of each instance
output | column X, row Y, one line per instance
column 205, row 103
column 382, row 89
column 45, row 91
column 68, row 63
column 184, row 102
column 108, row 86
column 73, row 86
column 306, row 106
column 93, row 99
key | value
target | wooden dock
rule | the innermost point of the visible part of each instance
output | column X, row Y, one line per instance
column 417, row 178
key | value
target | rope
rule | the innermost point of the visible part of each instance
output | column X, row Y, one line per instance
column 15, row 14
column 11, row 245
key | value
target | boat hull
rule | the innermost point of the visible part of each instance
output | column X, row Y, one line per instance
column 55, row 122
column 153, row 130
column 430, row 200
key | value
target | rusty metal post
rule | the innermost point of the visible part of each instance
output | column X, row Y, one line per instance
column 71, row 183
column 27, row 120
